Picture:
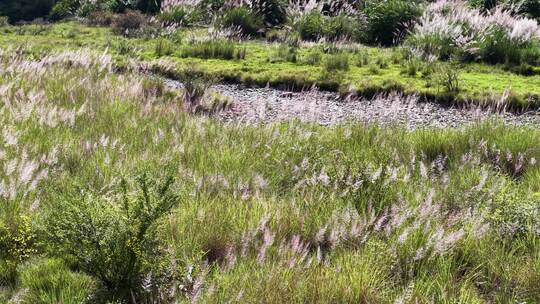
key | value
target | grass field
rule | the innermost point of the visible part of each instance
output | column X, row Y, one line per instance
column 111, row 193
column 370, row 70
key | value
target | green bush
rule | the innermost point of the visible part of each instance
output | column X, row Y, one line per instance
column 388, row 20
column 17, row 241
column 273, row 12
column 244, row 20
column 51, row 281
column 515, row 212
column 63, row 9
column 109, row 236
column 311, row 26
column 181, row 16
column 343, row 27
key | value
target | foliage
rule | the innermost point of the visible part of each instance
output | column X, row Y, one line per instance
column 112, row 240
column 243, row 20
column 219, row 49
column 51, row 281
column 284, row 53
column 311, row 26
column 388, row 20
column 17, row 240
column 196, row 84
column 336, row 62
column 181, row 16
column 343, row 27
column 446, row 77
column 515, row 213
column 163, row 48
column 450, row 29
column 273, row 12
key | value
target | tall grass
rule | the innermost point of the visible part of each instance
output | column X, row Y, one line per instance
column 272, row 213
column 450, row 28
column 217, row 49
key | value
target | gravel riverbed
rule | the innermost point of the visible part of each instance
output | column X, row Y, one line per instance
column 259, row 105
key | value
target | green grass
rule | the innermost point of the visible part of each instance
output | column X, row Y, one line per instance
column 479, row 82
column 277, row 213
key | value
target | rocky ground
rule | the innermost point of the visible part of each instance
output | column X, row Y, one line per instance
column 254, row 105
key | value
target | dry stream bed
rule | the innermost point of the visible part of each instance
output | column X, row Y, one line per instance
column 256, row 105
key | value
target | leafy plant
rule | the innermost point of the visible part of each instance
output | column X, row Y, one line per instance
column 388, row 20
column 343, row 27
column 110, row 237
column 18, row 243
column 181, row 16
column 311, row 26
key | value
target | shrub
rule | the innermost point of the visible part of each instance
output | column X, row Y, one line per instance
column 311, row 26
column 516, row 213
column 336, row 62
column 17, row 240
column 342, row 27
column 244, row 20
column 109, row 237
column 180, row 16
column 273, row 12
column 217, row 49
column 388, row 20
column 100, row 18
column 129, row 23
column 51, row 281
column 452, row 29
column 63, row 9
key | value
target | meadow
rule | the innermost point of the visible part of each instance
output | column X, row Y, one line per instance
column 116, row 188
